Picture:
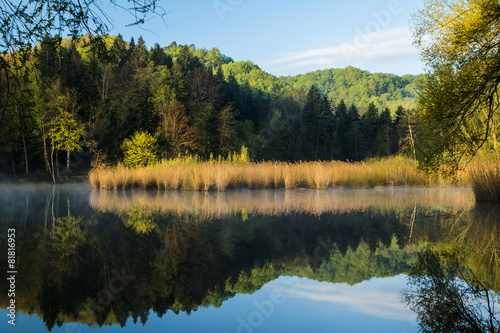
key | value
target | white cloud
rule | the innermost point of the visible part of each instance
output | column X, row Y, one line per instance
column 367, row 51
column 377, row 297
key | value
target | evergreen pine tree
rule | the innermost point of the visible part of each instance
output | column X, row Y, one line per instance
column 370, row 124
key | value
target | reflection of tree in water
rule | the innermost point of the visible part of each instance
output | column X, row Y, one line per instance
column 64, row 243
column 448, row 296
column 183, row 261
column 141, row 220
column 453, row 287
column 482, row 240
column 475, row 232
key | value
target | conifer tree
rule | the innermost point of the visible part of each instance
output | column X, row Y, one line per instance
column 370, row 123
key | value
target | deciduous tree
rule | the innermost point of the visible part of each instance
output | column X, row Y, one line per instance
column 140, row 150
column 458, row 100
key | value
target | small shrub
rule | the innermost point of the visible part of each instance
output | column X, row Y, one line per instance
column 140, row 150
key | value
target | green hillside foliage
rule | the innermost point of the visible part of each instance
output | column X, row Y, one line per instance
column 359, row 87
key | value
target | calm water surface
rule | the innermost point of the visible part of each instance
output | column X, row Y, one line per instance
column 239, row 261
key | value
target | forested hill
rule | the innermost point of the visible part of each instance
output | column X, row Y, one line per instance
column 359, row 87
column 353, row 85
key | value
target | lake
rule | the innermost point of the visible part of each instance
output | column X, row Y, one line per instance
column 238, row 261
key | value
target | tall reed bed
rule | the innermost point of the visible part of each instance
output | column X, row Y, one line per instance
column 485, row 179
column 193, row 174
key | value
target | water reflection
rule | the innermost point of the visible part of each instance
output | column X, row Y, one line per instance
column 272, row 203
column 102, row 257
column 448, row 296
column 453, row 286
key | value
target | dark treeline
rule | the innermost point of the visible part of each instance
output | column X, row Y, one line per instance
column 72, row 106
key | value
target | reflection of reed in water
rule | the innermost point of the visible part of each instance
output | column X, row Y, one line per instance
column 481, row 237
column 280, row 202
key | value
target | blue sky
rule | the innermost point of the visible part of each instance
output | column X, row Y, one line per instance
column 290, row 37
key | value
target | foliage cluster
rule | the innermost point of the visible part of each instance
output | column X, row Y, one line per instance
column 458, row 101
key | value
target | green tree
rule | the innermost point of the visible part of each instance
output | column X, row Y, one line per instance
column 159, row 57
column 134, row 105
column 384, row 133
column 65, row 130
column 316, row 118
column 355, row 137
column 370, row 122
column 25, row 23
column 227, row 130
column 405, row 132
column 140, row 150
column 204, row 106
column 277, row 134
column 141, row 220
column 458, row 100
column 339, row 144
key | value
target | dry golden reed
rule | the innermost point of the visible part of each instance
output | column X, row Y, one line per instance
column 485, row 180
column 214, row 175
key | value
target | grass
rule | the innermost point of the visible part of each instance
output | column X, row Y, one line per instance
column 485, row 179
column 193, row 174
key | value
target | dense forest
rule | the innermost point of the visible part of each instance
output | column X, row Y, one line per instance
column 73, row 106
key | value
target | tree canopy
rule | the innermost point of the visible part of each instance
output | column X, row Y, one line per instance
column 458, row 98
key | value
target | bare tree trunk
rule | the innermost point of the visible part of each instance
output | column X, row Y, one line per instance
column 412, row 220
column 52, row 160
column 57, row 165
column 412, row 141
column 67, row 160
column 494, row 127
column 45, row 153
column 53, row 216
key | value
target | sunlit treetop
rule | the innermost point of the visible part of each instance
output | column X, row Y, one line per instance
column 458, row 100
column 457, row 32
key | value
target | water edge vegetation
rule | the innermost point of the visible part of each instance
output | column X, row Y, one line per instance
column 220, row 175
